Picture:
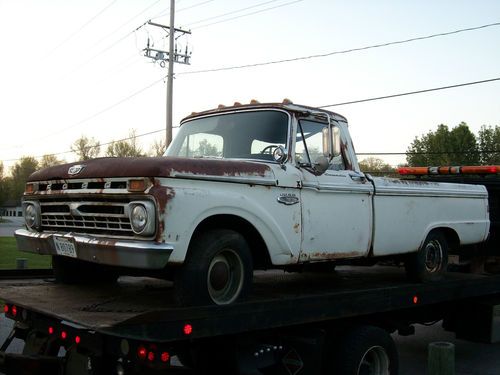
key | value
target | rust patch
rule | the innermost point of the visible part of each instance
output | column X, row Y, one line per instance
column 296, row 228
column 152, row 167
column 336, row 255
column 162, row 195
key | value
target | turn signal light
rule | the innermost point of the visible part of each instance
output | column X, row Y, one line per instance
column 29, row 189
column 136, row 185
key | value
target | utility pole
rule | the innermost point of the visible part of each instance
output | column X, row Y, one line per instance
column 171, row 56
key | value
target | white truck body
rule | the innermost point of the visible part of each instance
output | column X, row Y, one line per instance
column 284, row 173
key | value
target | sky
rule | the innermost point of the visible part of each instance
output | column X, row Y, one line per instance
column 70, row 68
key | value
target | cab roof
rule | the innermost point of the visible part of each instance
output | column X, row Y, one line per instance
column 285, row 105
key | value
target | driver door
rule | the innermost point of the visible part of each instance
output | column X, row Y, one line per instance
column 336, row 205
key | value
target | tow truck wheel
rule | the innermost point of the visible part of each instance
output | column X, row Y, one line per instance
column 431, row 260
column 74, row 271
column 364, row 350
column 217, row 270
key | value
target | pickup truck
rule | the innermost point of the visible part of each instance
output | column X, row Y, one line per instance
column 241, row 188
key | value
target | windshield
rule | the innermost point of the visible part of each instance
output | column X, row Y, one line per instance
column 241, row 135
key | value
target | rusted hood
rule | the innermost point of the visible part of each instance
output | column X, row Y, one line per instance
column 152, row 167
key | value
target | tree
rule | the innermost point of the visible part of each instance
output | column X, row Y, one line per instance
column 158, row 148
column 20, row 173
column 376, row 166
column 125, row 148
column 488, row 141
column 50, row 161
column 86, row 148
column 444, row 147
column 205, row 148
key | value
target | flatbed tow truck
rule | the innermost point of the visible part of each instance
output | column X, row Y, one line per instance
column 293, row 323
column 322, row 324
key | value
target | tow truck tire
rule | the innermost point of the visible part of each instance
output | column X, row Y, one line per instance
column 430, row 262
column 364, row 350
column 75, row 271
column 218, row 270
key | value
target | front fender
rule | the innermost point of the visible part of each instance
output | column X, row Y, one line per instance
column 279, row 225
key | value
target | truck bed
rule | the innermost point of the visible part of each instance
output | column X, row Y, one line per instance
column 143, row 308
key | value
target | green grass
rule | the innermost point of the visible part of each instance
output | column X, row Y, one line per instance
column 9, row 254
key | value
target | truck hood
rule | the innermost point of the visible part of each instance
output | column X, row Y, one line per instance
column 153, row 167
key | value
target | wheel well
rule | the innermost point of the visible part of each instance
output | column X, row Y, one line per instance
column 451, row 237
column 258, row 248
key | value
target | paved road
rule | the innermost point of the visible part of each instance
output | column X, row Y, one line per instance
column 471, row 358
column 7, row 229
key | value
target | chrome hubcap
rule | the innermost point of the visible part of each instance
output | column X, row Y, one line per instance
column 433, row 256
column 225, row 277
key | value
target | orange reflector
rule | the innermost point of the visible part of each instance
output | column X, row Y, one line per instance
column 188, row 329
column 136, row 185
column 29, row 189
column 165, row 356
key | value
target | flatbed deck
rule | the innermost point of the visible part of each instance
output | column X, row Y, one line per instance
column 143, row 308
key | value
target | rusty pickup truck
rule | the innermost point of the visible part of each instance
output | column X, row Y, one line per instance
column 241, row 188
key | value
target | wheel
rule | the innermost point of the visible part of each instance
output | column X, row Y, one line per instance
column 75, row 271
column 430, row 262
column 366, row 350
column 217, row 270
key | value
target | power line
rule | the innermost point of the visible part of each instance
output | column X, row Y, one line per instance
column 232, row 12
column 248, row 14
column 346, row 103
column 167, row 11
column 82, row 27
column 341, row 51
column 412, row 92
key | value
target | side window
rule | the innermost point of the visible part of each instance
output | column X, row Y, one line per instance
column 311, row 144
column 202, row 145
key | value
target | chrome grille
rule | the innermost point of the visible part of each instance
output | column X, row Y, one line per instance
column 86, row 216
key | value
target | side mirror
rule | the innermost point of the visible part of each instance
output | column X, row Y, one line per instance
column 279, row 155
column 321, row 164
column 333, row 140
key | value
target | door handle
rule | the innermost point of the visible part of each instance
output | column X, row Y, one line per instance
column 357, row 177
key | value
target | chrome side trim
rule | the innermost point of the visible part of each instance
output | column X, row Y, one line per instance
column 361, row 189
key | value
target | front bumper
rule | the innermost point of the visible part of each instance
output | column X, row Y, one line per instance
column 113, row 252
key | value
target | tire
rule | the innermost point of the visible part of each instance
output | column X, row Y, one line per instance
column 430, row 262
column 75, row 271
column 363, row 350
column 218, row 270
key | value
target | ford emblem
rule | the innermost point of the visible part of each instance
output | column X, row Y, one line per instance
column 75, row 169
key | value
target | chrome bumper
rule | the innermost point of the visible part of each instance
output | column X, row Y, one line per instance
column 134, row 254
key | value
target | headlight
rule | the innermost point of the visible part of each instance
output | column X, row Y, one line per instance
column 139, row 218
column 31, row 214
column 142, row 217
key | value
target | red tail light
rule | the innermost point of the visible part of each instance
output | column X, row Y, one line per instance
column 165, row 356
column 77, row 340
column 151, row 356
column 188, row 329
column 51, row 330
column 6, row 309
column 14, row 310
column 142, row 352
column 64, row 335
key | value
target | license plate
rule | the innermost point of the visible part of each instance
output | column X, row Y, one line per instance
column 65, row 247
